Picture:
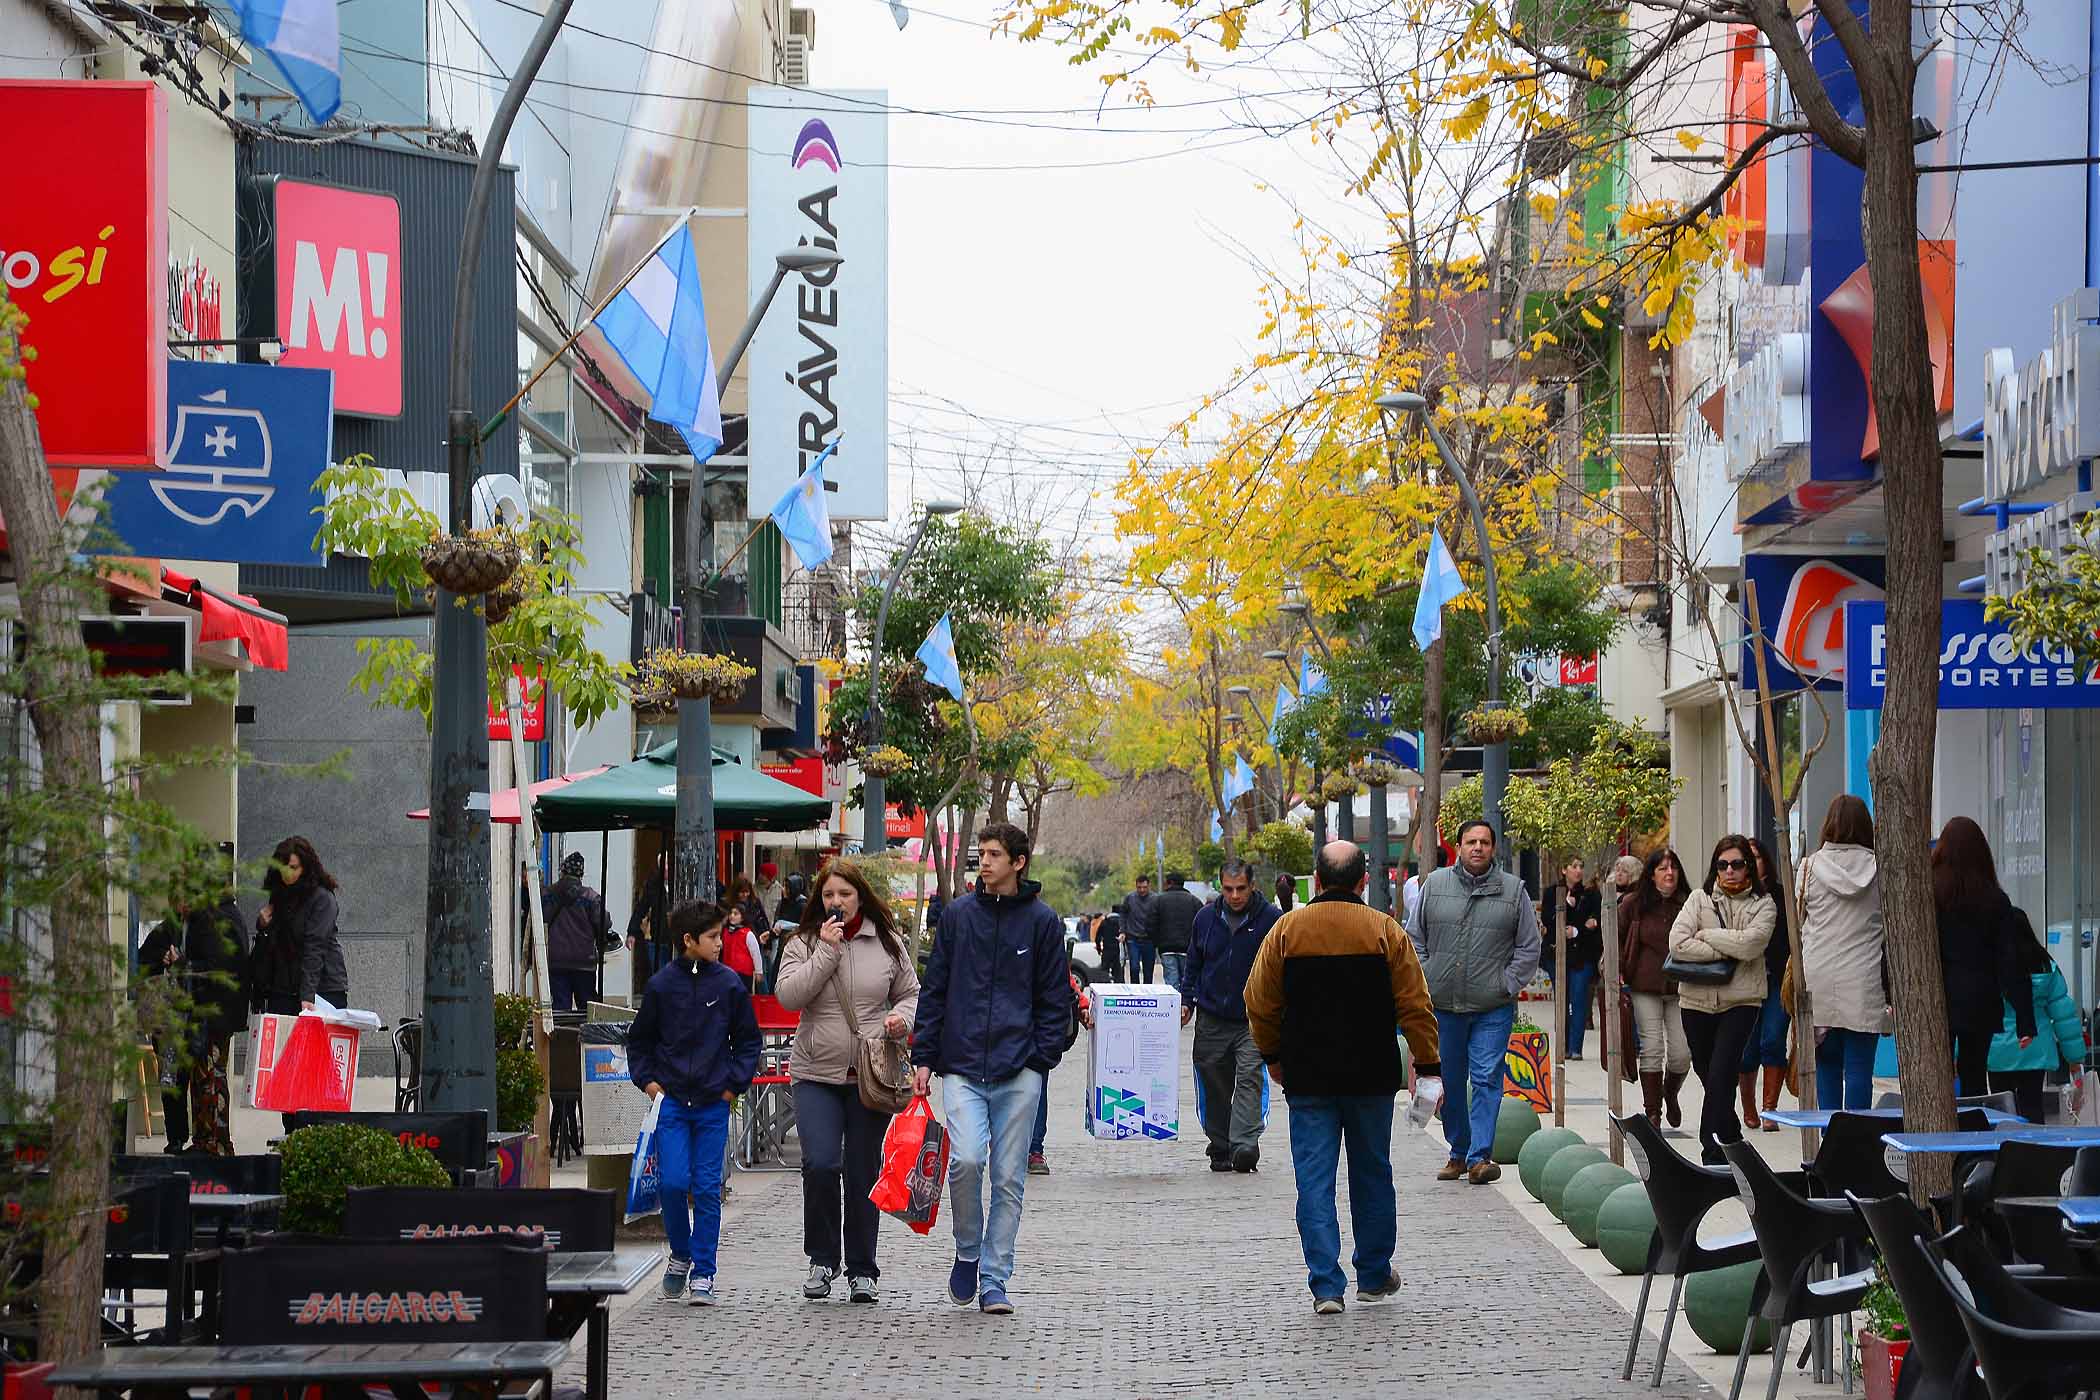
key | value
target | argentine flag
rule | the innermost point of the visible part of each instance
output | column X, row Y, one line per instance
column 1441, row 582
column 937, row 655
column 658, row 325
column 302, row 36
column 1239, row 782
column 1285, row 703
column 803, row 518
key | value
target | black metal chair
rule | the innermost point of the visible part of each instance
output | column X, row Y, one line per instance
column 2024, row 1169
column 1940, row 1365
column 1893, row 1099
column 1681, row 1193
column 565, row 1093
column 2028, row 1346
column 408, row 1064
column 1794, row 1236
column 1852, row 1159
column 147, row 1245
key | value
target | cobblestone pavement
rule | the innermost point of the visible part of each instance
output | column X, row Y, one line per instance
column 1142, row 1273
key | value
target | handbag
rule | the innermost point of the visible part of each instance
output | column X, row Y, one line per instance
column 1699, row 972
column 879, row 1063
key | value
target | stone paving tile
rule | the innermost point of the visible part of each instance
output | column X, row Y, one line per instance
column 1142, row 1273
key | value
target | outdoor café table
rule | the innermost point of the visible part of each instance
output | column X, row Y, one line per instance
column 1965, row 1147
column 580, row 1289
column 340, row 1369
column 225, row 1208
column 1819, row 1118
column 2082, row 1211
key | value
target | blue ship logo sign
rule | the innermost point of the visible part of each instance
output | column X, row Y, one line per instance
column 219, row 462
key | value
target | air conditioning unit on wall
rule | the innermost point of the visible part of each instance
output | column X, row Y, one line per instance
column 801, row 39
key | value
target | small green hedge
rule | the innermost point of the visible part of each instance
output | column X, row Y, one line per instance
column 323, row 1162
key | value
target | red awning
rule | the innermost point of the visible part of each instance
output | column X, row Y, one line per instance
column 231, row 618
column 503, row 806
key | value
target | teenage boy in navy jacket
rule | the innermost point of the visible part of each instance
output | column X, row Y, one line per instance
column 693, row 1047
column 995, row 1008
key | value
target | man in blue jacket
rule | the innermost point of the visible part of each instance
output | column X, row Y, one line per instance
column 1228, row 934
column 994, row 1008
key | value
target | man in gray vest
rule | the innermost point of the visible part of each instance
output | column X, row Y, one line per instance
column 1478, row 934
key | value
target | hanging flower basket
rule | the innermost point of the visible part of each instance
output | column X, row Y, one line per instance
column 1338, row 787
column 687, row 676
column 481, row 561
column 500, row 604
column 886, row 761
column 1495, row 726
column 1378, row 773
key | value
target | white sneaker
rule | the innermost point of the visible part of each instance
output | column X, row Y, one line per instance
column 818, row 1284
column 700, row 1292
column 864, row 1290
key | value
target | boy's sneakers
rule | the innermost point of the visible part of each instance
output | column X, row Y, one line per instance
column 675, row 1277
column 1327, row 1307
column 864, row 1290
column 995, row 1301
column 819, row 1283
column 962, row 1283
column 1038, row 1164
column 700, row 1292
column 1388, row 1289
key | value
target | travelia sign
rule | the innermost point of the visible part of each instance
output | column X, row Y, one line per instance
column 819, row 364
column 338, row 263
column 1982, row 665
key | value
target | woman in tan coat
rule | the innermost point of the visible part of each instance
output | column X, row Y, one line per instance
column 1730, row 918
column 847, row 948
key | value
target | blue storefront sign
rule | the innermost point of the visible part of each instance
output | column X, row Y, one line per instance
column 1802, row 601
column 246, row 443
column 1982, row 665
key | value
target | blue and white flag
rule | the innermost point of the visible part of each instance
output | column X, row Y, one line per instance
column 1311, row 679
column 1441, row 582
column 658, row 326
column 803, row 518
column 1217, row 828
column 1285, row 703
column 303, row 37
column 1239, row 782
column 937, row 655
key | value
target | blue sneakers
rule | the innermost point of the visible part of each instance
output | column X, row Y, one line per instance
column 674, row 1278
column 701, row 1292
column 995, row 1301
column 962, row 1283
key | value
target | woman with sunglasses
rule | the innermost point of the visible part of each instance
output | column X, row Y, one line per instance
column 1726, row 925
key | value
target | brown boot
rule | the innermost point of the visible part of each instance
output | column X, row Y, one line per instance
column 1672, row 1082
column 1747, row 1083
column 1775, row 1079
column 1652, row 1095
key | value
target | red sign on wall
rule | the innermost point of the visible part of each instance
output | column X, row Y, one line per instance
column 804, row 773
column 338, row 261
column 902, row 828
column 1578, row 670
column 534, row 688
column 84, row 249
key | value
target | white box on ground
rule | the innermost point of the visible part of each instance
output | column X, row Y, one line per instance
column 1134, row 1063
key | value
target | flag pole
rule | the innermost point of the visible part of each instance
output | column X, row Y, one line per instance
column 596, row 311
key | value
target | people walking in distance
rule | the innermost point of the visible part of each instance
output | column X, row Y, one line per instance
column 2020, row 1067
column 994, row 1013
column 1646, row 914
column 768, row 890
column 1410, row 893
column 202, row 948
column 1333, row 985
column 1229, row 932
column 1979, row 951
column 1173, row 925
column 1138, row 949
column 1108, row 942
column 1286, row 892
column 298, row 956
column 649, row 926
column 1478, row 932
column 1578, row 906
column 846, row 972
column 1840, row 959
column 1625, row 874
column 1722, row 932
column 577, row 930
column 794, row 901
column 694, row 1044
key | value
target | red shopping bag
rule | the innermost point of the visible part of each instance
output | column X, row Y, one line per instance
column 914, row 1167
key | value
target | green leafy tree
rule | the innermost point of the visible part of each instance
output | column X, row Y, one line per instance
column 1285, row 846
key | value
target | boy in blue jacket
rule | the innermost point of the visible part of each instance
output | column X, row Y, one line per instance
column 693, row 1047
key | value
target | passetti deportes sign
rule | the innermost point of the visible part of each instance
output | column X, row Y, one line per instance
column 1982, row 665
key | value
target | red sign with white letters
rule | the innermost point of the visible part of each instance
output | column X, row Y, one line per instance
column 338, row 261
column 1578, row 670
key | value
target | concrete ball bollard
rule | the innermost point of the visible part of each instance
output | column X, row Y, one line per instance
column 1585, row 1196
column 1561, row 1170
column 1538, row 1149
column 1516, row 1123
column 1717, row 1301
column 1626, row 1228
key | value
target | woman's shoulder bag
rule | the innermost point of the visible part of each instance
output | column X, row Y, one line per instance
column 880, row 1065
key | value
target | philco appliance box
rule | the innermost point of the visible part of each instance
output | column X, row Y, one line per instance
column 1134, row 1063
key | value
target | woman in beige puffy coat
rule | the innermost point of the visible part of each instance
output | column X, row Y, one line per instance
column 847, row 948
column 1731, row 917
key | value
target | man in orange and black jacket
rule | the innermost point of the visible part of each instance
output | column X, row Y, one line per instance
column 1332, row 983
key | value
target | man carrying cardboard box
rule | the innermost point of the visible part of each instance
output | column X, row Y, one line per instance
column 1329, row 986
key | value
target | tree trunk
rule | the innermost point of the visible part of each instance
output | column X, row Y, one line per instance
column 1432, row 754
column 69, row 741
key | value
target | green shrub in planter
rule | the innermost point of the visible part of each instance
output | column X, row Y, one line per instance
column 1585, row 1197
column 1516, row 1123
column 1553, row 1183
column 1626, row 1228
column 323, row 1162
column 1538, row 1149
column 1717, row 1301
column 520, row 1083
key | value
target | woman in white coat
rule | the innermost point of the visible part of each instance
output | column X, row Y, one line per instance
column 1725, row 927
column 1841, row 945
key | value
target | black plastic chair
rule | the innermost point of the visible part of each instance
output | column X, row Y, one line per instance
column 1853, row 1160
column 2004, row 1103
column 2085, row 1174
column 1940, row 1365
column 1794, row 1235
column 147, row 1245
column 2027, row 1345
column 1893, row 1099
column 1681, row 1193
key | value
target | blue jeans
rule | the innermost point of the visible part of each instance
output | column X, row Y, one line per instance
column 1580, row 980
column 1042, row 1121
column 1172, row 968
column 1845, row 1069
column 1138, row 954
column 1476, row 1042
column 1320, row 1125
column 988, row 1128
column 689, row 1146
column 1768, row 1042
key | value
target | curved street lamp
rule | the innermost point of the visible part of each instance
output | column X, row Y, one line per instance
column 874, row 833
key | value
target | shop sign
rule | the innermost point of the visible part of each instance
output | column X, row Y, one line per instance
column 1982, row 665
column 2043, row 419
column 650, row 627
column 337, row 254
column 2053, row 530
column 898, row 827
column 1801, row 599
column 194, row 298
column 1766, row 417
column 533, row 690
column 84, row 250
column 804, row 773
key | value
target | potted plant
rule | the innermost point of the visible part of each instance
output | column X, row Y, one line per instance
column 1496, row 726
column 1527, row 1066
column 1884, row 1338
column 885, row 761
column 1376, row 772
column 478, row 562
column 692, row 676
column 521, row 1087
column 323, row 1162
column 1338, row 787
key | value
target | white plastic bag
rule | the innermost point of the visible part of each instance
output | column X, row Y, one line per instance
column 1429, row 1096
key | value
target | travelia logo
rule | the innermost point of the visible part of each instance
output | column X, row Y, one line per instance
column 338, row 261
column 815, row 143
column 1810, row 629
column 377, row 1309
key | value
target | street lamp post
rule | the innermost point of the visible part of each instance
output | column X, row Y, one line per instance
column 459, row 1035
column 874, row 835
column 694, row 874
column 1494, row 762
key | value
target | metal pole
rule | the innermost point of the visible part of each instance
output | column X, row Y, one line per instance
column 693, row 875
column 874, row 834
column 1494, row 764
column 1381, row 884
column 1319, row 810
column 459, row 1014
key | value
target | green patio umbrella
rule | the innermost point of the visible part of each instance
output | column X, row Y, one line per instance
column 645, row 793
